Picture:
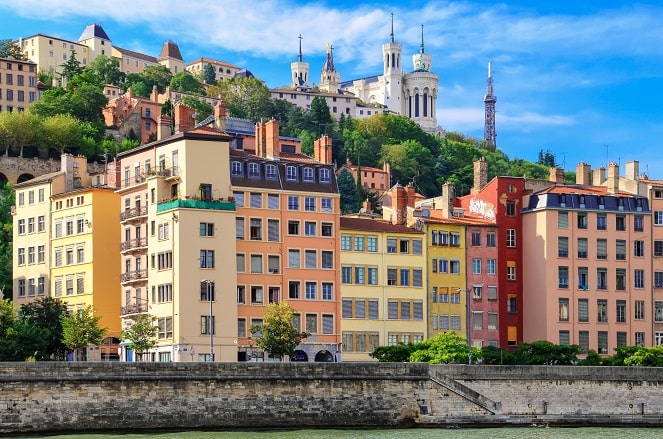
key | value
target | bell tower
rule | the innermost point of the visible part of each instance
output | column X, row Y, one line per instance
column 299, row 70
column 393, row 74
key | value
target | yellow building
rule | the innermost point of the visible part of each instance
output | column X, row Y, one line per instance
column 383, row 291
column 177, row 222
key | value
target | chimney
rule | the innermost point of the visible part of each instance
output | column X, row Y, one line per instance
column 556, row 175
column 411, row 192
column 163, row 129
column 184, row 117
column 399, row 204
column 598, row 176
column 322, row 150
column 220, row 115
column 448, row 195
column 583, row 174
column 260, row 139
column 272, row 145
column 154, row 96
column 480, row 175
column 387, row 169
column 613, row 178
column 633, row 170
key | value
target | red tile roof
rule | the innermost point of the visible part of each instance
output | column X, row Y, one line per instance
column 374, row 224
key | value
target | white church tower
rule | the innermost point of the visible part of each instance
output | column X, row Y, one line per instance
column 393, row 74
column 330, row 79
column 299, row 70
column 421, row 87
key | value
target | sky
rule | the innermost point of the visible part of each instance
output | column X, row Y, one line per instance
column 582, row 79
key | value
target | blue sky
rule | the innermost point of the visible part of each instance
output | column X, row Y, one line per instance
column 583, row 79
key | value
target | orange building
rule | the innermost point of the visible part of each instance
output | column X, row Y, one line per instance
column 372, row 179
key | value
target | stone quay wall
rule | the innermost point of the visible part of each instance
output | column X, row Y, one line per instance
column 61, row 397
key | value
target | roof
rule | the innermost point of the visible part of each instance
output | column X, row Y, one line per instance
column 212, row 61
column 581, row 190
column 93, row 30
column 374, row 224
column 170, row 50
column 40, row 179
column 243, row 73
column 437, row 218
column 367, row 79
column 138, row 55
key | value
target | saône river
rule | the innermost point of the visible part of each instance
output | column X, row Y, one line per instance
column 540, row 432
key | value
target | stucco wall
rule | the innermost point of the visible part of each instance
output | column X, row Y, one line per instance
column 130, row 396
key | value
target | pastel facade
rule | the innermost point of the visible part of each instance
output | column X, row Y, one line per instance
column 222, row 70
column 50, row 52
column 372, row 179
column 588, row 271
column 384, row 285
column 338, row 103
column 18, row 84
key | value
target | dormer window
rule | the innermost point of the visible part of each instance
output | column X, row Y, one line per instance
column 325, row 176
column 308, row 175
column 270, row 172
column 291, row 173
column 236, row 169
column 254, row 170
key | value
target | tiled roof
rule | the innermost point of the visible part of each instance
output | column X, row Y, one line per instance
column 40, row 179
column 368, row 79
column 212, row 61
column 170, row 50
column 579, row 189
column 437, row 218
column 138, row 55
column 374, row 224
column 93, row 31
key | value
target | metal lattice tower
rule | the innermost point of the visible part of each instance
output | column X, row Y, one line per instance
column 489, row 100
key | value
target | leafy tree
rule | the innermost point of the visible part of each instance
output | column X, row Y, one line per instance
column 85, row 102
column 71, row 67
column 203, row 109
column 277, row 335
column 321, row 115
column 209, row 74
column 186, row 83
column 9, row 49
column 394, row 354
column 348, row 190
column 652, row 357
column 547, row 353
column 62, row 132
column 546, row 158
column 444, row 348
column 80, row 329
column 105, row 70
column 45, row 313
column 143, row 83
column 18, row 130
column 7, row 197
column 495, row 355
column 247, row 98
column 142, row 334
column 19, row 339
column 411, row 162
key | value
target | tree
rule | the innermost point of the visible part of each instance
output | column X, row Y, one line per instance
column 143, row 83
column 209, row 74
column 7, row 198
column 62, row 133
column 277, row 335
column 80, row 329
column 9, row 49
column 203, row 109
column 321, row 115
column 18, row 130
column 448, row 347
column 348, row 191
column 393, row 354
column 142, row 334
column 19, row 339
column 71, row 67
column 186, row 83
column 546, row 159
column 45, row 313
column 105, row 70
column 247, row 97
column 546, row 353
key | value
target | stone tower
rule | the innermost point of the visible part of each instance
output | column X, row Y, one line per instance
column 393, row 74
column 299, row 70
column 330, row 79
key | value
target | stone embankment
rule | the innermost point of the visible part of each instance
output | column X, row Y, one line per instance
column 58, row 397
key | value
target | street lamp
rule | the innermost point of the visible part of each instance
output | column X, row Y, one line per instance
column 210, row 318
column 468, row 313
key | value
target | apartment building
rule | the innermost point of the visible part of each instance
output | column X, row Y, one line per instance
column 588, row 271
column 18, row 84
column 372, row 179
column 383, row 278
column 222, row 70
column 287, row 249
column 338, row 103
column 49, row 52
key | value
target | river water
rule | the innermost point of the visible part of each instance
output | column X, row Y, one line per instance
column 414, row 433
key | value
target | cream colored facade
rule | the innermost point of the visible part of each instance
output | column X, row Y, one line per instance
column 222, row 70
column 18, row 84
column 383, row 291
column 49, row 52
column 176, row 228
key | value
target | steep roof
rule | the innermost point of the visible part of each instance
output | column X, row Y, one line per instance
column 93, row 30
column 170, row 50
column 138, row 55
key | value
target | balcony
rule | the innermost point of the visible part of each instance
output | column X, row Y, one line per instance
column 134, row 213
column 133, row 276
column 133, row 244
column 172, row 173
column 133, row 308
column 195, row 203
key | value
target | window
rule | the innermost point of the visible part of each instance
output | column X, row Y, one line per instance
column 291, row 173
column 638, row 223
column 345, row 242
column 294, row 258
column 236, row 169
column 621, row 311
column 293, row 202
column 293, row 227
column 601, row 221
column 602, row 342
column 601, row 279
column 511, row 273
column 583, row 276
column 391, row 276
column 391, row 245
column 273, row 263
column 309, row 204
column 582, row 220
column 309, row 228
column 510, row 237
column 31, row 225
column 454, row 266
column 563, row 276
column 207, row 259
column 256, row 263
column 272, row 201
column 359, row 243
column 293, row 289
column 207, row 292
column 256, row 295
column 327, row 229
column 80, row 254
column 256, row 229
column 583, row 310
column 639, row 278
column 239, row 199
column 601, row 249
column 326, row 204
column 346, row 275
column 311, row 290
column 239, row 228
column 41, row 254
column 312, row 323
column 620, row 279
column 454, row 239
column 620, row 250
column 491, row 239
column 255, row 200
column 325, row 175
column 416, row 246
column 620, row 223
column 639, row 310
column 206, row 229
column 562, row 246
column 21, row 227
column 658, row 248
column 601, row 310
column 207, row 325
column 307, row 175
column 70, row 227
column 327, row 259
column 372, row 275
column 638, row 249
column 327, row 291
column 510, row 208
column 270, row 172
column 310, row 258
column 476, row 238
column 491, row 266
column 273, row 230
column 563, row 309
column 41, row 223
column 254, row 170
column 327, row 324
column 476, row 266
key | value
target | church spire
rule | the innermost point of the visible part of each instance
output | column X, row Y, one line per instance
column 421, row 48
column 300, row 48
column 392, row 27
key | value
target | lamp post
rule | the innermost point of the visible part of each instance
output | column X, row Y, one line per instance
column 210, row 318
column 468, row 326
